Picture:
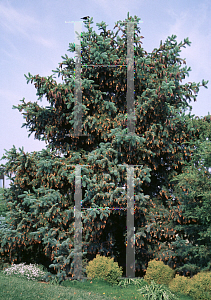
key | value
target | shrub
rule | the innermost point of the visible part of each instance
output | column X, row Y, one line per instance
column 104, row 268
column 201, row 286
column 198, row 287
column 159, row 272
column 180, row 284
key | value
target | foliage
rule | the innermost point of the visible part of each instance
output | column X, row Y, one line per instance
column 29, row 254
column 3, row 210
column 198, row 287
column 104, row 267
column 180, row 283
column 159, row 272
column 131, row 281
column 4, row 266
column 3, row 205
column 201, row 286
column 41, row 196
column 156, row 291
column 193, row 187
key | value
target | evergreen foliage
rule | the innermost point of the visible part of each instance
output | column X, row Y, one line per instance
column 193, row 186
column 41, row 196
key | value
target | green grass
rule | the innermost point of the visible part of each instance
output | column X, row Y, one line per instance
column 14, row 287
column 116, row 292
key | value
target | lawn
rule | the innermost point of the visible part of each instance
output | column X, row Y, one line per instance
column 17, row 286
column 12, row 287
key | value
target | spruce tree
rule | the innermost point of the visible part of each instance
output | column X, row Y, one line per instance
column 41, row 197
column 192, row 186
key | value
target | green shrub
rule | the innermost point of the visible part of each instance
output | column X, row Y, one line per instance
column 180, row 284
column 198, row 287
column 201, row 286
column 104, row 268
column 159, row 272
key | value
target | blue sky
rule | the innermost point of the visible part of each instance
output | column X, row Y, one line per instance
column 34, row 36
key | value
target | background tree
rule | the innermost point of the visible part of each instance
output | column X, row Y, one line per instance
column 193, row 188
column 42, row 193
